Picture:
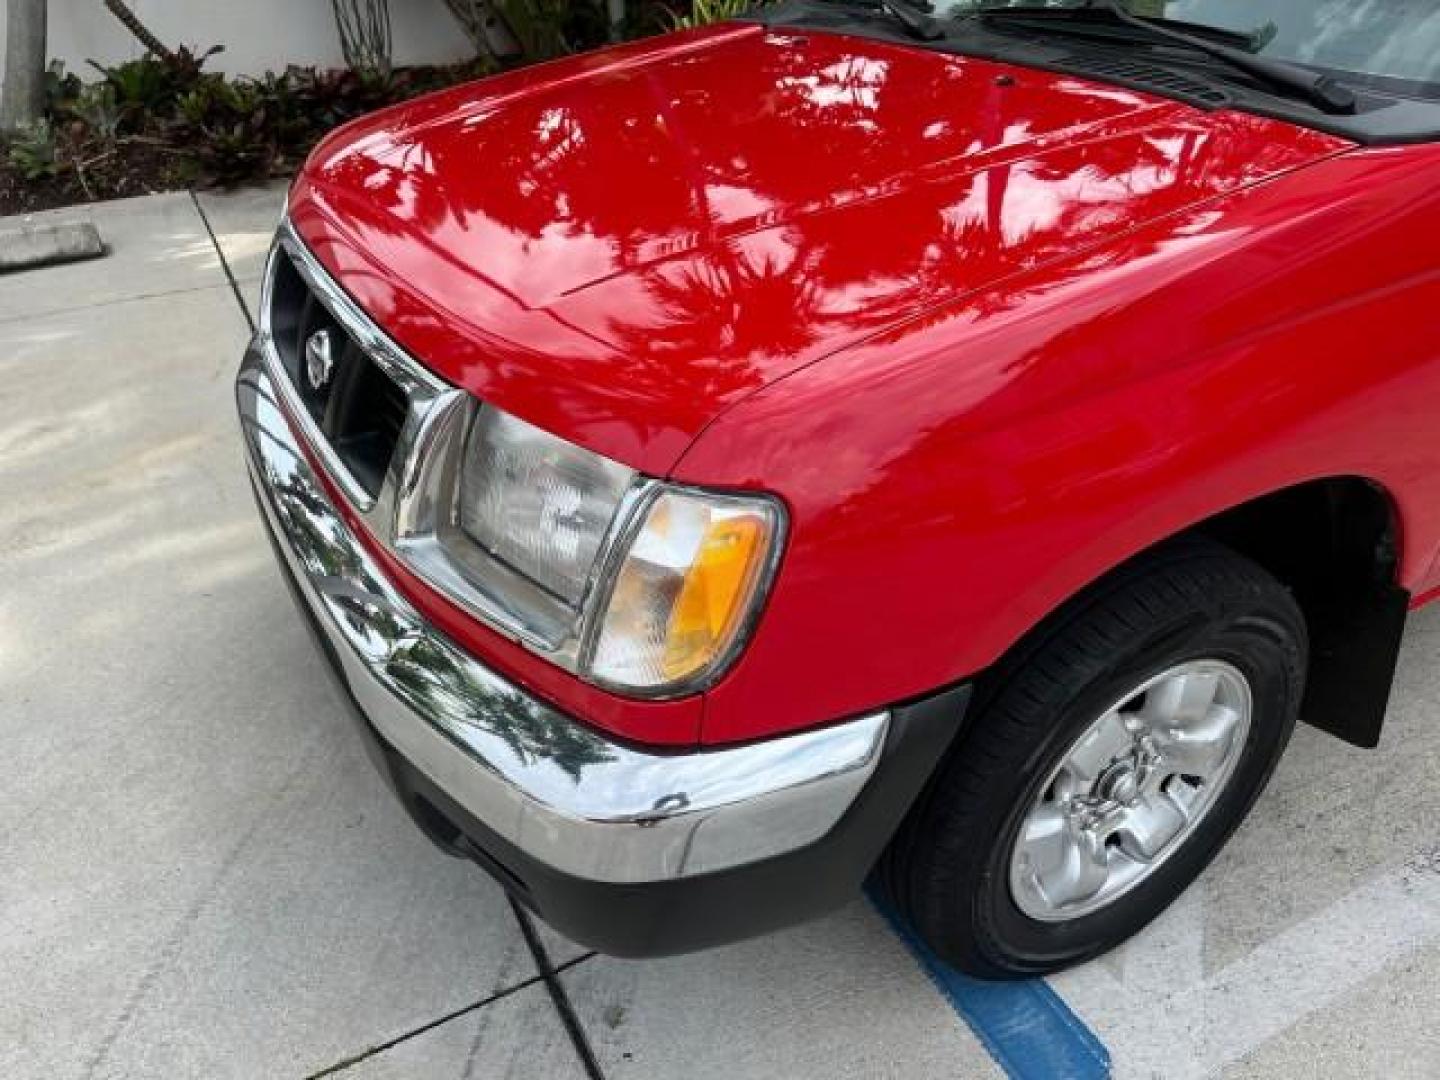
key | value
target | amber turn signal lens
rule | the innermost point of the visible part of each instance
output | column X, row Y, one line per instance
column 712, row 597
column 694, row 573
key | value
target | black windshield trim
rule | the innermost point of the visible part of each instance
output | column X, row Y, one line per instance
column 1392, row 85
column 1280, row 76
column 1219, row 34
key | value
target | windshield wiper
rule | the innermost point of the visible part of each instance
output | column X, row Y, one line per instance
column 1320, row 90
column 910, row 14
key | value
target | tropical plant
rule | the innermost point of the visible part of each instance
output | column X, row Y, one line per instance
column 97, row 107
column 705, row 12
column 143, row 83
column 241, row 130
column 32, row 151
column 505, row 31
column 230, row 129
column 155, row 120
column 153, row 83
column 237, row 153
column 539, row 26
column 364, row 28
column 61, row 87
column 489, row 34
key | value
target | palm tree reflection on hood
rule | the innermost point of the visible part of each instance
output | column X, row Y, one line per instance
column 734, row 210
column 727, row 307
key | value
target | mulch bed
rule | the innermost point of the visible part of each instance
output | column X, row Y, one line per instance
column 132, row 167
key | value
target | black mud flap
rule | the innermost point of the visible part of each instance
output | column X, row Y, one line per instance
column 1353, row 653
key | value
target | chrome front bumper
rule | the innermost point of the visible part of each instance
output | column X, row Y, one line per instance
column 558, row 791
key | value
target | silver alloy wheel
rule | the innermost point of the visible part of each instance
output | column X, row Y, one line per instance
column 1130, row 790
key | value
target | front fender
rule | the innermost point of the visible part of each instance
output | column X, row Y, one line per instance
column 954, row 481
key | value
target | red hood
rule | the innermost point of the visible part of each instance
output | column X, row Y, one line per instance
column 619, row 246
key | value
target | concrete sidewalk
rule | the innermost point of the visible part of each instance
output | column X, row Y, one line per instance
column 201, row 876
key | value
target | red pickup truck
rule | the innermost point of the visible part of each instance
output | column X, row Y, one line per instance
column 956, row 445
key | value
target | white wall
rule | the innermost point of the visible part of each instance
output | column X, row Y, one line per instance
column 257, row 34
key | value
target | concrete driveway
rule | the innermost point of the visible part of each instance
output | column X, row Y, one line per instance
column 200, row 875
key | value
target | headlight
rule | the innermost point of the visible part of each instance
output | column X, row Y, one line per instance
column 637, row 585
column 537, row 503
column 690, row 579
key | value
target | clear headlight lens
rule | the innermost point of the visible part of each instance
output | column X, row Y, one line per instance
column 683, row 571
column 537, row 503
column 688, row 583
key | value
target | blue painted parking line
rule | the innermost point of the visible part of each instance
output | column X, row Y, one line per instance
column 1027, row 1027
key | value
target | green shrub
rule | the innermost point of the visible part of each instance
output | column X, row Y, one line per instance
column 540, row 26
column 240, row 130
column 98, row 108
column 239, row 153
column 32, row 152
column 705, row 12
column 145, row 83
column 155, row 121
column 228, row 130
column 61, row 87
column 151, row 84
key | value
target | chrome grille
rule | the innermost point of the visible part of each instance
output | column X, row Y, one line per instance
column 358, row 409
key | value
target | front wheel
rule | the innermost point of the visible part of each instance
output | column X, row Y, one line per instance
column 1105, row 765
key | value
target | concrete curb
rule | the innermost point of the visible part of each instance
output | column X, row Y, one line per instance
column 29, row 246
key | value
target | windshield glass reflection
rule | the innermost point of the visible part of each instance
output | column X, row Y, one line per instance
column 1395, row 39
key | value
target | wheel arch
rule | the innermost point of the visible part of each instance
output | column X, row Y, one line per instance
column 1335, row 543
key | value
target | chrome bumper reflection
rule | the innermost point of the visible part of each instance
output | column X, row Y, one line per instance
column 553, row 787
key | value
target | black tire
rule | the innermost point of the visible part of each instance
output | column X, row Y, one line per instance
column 947, row 869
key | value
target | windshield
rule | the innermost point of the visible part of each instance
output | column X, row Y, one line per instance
column 1391, row 44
